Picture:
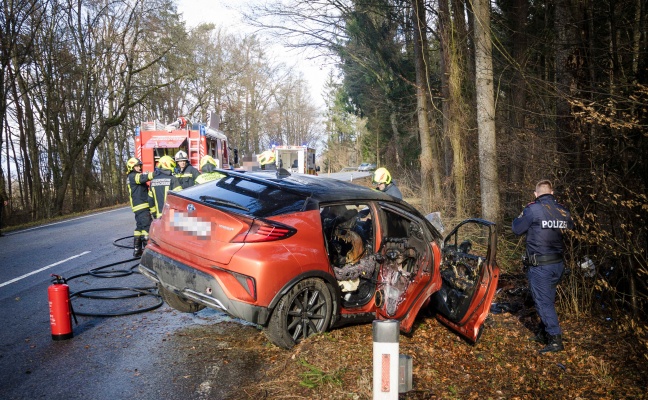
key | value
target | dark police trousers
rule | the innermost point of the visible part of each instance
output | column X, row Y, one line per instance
column 542, row 282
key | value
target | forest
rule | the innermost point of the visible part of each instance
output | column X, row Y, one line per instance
column 467, row 102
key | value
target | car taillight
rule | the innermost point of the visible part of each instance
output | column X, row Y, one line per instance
column 263, row 231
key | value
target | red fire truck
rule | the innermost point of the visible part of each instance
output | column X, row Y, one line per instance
column 154, row 140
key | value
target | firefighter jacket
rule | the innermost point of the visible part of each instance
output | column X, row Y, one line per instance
column 544, row 221
column 208, row 176
column 392, row 190
column 163, row 181
column 138, row 190
column 188, row 176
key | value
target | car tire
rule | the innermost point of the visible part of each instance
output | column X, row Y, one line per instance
column 304, row 311
column 179, row 303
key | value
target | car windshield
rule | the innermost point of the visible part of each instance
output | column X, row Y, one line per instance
column 252, row 197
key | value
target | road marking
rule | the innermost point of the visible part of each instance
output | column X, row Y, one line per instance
column 42, row 269
column 66, row 220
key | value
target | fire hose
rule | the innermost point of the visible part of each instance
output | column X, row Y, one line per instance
column 131, row 292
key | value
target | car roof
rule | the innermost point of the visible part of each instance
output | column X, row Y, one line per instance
column 318, row 188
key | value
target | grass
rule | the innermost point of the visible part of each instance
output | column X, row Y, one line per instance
column 315, row 377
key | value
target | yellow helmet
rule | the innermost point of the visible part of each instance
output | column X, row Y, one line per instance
column 209, row 162
column 381, row 175
column 267, row 157
column 166, row 162
column 131, row 163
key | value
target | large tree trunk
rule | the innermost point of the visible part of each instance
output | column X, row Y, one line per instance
column 488, row 176
column 430, row 178
column 455, row 119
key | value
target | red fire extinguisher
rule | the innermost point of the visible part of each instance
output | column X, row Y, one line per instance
column 60, row 309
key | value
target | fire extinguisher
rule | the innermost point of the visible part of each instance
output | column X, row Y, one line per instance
column 60, row 309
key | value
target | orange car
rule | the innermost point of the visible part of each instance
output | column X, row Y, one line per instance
column 300, row 254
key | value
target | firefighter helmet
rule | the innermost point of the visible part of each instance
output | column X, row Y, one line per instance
column 207, row 164
column 181, row 156
column 267, row 157
column 131, row 163
column 382, row 176
column 166, row 162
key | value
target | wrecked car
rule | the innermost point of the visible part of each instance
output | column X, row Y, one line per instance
column 299, row 254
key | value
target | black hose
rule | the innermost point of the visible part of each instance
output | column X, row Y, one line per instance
column 115, row 273
column 125, row 246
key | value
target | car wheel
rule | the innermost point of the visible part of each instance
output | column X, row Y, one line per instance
column 304, row 311
column 179, row 303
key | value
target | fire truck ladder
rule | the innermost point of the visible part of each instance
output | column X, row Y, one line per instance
column 194, row 151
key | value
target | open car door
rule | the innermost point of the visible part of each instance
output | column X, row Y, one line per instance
column 406, row 278
column 469, row 275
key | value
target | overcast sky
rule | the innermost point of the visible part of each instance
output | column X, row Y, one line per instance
column 223, row 13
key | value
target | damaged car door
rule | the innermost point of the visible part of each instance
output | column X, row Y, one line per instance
column 469, row 274
column 408, row 258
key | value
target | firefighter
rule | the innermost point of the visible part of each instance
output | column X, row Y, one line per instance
column 186, row 174
column 138, row 193
column 544, row 222
column 208, row 170
column 163, row 181
column 383, row 179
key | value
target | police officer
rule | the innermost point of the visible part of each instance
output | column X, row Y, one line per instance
column 163, row 181
column 208, row 170
column 138, row 193
column 544, row 221
column 186, row 174
column 383, row 179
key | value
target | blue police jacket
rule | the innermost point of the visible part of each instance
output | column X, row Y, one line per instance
column 544, row 221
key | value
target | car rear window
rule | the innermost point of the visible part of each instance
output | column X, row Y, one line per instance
column 250, row 197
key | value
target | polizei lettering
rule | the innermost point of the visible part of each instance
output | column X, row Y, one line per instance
column 554, row 224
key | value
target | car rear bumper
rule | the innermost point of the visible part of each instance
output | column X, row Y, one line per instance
column 197, row 286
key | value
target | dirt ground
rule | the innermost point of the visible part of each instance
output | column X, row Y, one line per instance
column 598, row 362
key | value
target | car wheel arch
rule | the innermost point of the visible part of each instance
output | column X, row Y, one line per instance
column 329, row 279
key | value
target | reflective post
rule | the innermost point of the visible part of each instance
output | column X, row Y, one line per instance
column 385, row 359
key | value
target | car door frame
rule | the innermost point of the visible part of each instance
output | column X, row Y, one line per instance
column 469, row 324
column 433, row 283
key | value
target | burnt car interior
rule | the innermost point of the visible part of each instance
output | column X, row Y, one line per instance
column 406, row 257
column 464, row 256
column 348, row 233
column 360, row 271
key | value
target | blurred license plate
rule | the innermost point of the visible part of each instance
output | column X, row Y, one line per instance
column 192, row 225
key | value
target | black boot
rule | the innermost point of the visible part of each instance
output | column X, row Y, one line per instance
column 144, row 241
column 137, row 246
column 555, row 344
column 540, row 337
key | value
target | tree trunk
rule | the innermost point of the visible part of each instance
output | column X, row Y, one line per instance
column 430, row 188
column 456, row 115
column 488, row 176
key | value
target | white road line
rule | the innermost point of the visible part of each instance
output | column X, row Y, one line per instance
column 42, row 269
column 66, row 220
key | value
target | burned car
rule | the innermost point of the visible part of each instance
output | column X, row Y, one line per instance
column 300, row 254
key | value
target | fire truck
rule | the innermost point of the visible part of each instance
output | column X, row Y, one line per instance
column 299, row 159
column 154, row 140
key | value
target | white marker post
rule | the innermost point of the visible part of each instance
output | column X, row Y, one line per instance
column 385, row 359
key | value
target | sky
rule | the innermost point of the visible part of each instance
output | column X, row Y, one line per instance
column 221, row 13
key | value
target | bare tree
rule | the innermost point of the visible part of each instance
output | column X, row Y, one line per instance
column 489, row 180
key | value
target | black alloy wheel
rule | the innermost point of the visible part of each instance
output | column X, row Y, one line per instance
column 304, row 311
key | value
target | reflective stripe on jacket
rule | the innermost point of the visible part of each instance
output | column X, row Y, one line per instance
column 208, row 176
column 162, row 182
column 188, row 177
column 138, row 190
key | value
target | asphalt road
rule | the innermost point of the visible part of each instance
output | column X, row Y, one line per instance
column 138, row 356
